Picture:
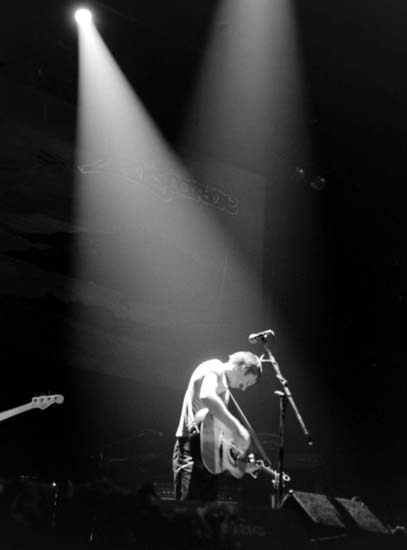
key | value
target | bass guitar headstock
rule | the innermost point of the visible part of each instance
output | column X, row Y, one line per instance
column 44, row 401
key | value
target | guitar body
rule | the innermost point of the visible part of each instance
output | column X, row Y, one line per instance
column 219, row 454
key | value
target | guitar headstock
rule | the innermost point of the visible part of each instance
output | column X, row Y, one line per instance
column 44, row 401
column 268, row 470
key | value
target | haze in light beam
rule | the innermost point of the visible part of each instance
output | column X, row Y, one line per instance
column 153, row 257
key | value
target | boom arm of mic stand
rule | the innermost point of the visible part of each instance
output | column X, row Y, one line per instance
column 287, row 392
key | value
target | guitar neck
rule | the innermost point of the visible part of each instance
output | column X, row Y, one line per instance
column 16, row 410
column 269, row 470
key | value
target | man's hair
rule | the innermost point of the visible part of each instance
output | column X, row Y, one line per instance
column 248, row 362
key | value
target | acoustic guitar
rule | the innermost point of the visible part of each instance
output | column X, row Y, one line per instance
column 220, row 454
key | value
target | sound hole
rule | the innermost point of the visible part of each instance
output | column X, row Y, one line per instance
column 234, row 454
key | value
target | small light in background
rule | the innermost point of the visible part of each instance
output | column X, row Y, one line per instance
column 318, row 183
column 299, row 174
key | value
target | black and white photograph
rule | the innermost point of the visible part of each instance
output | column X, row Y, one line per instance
column 203, row 275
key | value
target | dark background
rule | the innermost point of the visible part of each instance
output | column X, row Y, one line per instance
column 334, row 280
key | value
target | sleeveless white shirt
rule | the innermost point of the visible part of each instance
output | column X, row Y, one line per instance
column 192, row 402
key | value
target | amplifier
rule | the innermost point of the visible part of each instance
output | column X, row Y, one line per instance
column 164, row 491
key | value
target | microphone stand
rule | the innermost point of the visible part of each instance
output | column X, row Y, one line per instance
column 285, row 398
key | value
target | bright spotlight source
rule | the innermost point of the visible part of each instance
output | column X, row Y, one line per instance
column 83, row 16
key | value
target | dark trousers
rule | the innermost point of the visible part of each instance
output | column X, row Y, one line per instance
column 192, row 481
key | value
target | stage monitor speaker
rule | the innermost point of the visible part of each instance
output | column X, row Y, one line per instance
column 356, row 514
column 318, row 507
column 332, row 517
column 320, row 518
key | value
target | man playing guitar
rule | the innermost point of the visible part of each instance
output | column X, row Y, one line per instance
column 208, row 394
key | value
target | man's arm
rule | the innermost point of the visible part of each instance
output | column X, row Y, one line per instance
column 218, row 408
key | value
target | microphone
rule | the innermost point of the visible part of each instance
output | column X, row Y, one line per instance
column 261, row 336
